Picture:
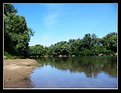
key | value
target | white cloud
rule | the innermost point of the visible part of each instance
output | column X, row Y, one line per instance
column 54, row 11
column 51, row 19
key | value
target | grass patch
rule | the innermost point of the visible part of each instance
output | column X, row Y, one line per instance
column 9, row 56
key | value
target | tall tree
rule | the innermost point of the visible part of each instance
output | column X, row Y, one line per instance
column 16, row 32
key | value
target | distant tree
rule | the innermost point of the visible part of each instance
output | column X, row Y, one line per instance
column 110, row 42
column 36, row 51
column 87, row 41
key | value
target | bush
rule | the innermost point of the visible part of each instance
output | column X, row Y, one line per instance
column 9, row 56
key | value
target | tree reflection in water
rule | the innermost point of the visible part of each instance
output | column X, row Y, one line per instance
column 91, row 66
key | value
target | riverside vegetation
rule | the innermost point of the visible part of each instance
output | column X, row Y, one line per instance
column 17, row 36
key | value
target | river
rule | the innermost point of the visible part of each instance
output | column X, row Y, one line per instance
column 76, row 72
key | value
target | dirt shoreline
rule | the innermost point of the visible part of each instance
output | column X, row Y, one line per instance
column 16, row 72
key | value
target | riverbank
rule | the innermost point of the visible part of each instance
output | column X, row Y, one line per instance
column 16, row 72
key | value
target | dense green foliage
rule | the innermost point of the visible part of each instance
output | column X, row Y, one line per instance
column 16, row 32
column 17, row 36
column 89, row 45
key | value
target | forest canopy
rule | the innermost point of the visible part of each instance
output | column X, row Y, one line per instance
column 89, row 45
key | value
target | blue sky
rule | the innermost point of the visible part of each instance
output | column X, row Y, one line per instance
column 60, row 22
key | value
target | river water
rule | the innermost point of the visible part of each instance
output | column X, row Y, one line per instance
column 76, row 72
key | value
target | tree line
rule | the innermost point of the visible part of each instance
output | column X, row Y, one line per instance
column 17, row 36
column 89, row 45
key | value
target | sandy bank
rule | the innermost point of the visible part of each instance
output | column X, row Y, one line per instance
column 16, row 72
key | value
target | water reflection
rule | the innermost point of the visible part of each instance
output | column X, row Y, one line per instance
column 77, row 72
column 91, row 66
